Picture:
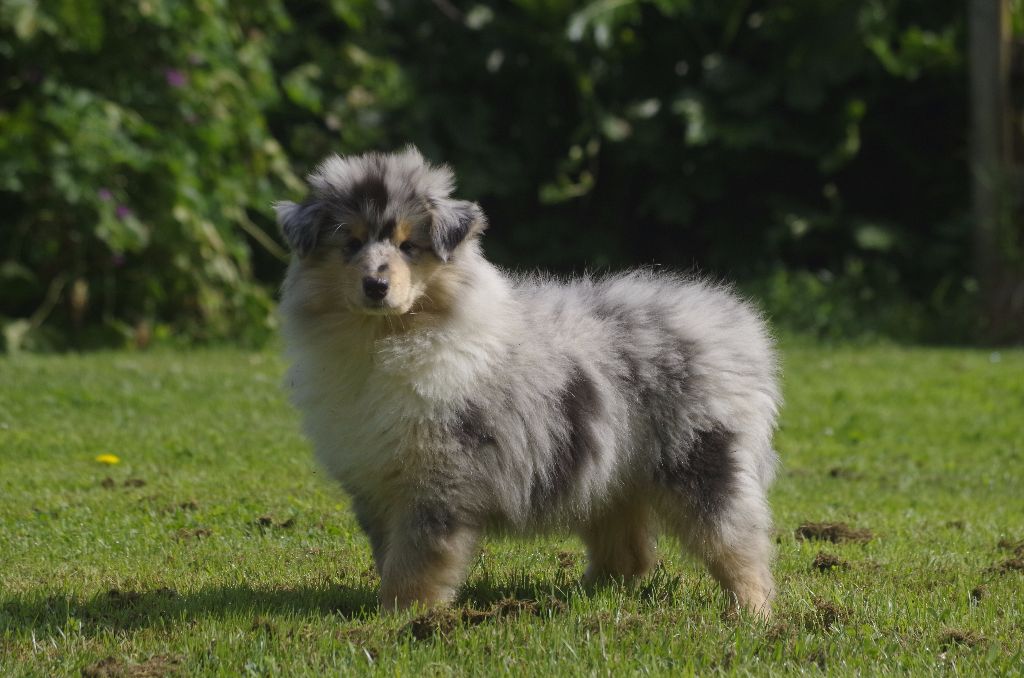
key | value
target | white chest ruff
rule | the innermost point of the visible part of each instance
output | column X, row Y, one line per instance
column 362, row 410
column 358, row 419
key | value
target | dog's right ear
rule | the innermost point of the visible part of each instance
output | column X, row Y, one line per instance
column 299, row 224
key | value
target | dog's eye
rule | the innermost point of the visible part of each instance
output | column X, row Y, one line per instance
column 352, row 245
column 407, row 247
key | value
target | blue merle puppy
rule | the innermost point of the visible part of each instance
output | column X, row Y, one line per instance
column 451, row 398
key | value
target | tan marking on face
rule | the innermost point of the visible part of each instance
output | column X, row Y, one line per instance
column 403, row 230
column 399, row 277
column 357, row 229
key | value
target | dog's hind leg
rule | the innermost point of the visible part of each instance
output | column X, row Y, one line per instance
column 735, row 544
column 742, row 569
column 713, row 499
column 735, row 547
column 738, row 551
column 620, row 543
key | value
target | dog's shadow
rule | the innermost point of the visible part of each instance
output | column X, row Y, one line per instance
column 118, row 609
column 485, row 590
column 126, row 610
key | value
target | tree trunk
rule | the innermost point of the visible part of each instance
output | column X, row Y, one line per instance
column 995, row 173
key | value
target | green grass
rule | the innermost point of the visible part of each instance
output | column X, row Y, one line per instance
column 217, row 547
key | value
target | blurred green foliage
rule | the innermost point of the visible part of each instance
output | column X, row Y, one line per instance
column 815, row 151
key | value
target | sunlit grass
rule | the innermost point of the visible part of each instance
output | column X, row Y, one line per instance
column 216, row 546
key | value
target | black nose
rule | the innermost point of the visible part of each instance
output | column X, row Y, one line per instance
column 375, row 288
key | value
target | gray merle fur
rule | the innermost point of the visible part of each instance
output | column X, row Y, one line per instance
column 471, row 398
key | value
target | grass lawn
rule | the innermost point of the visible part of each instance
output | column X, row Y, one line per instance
column 216, row 546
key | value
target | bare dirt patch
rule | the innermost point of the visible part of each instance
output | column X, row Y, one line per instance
column 1008, row 565
column 824, row 615
column 366, row 638
column 836, row 533
column 826, row 562
column 269, row 522
column 262, row 624
column 154, row 667
column 781, row 631
column 951, row 638
column 123, row 599
column 186, row 533
column 1015, row 547
column 1014, row 563
column 567, row 560
column 978, row 592
column 439, row 621
column 109, row 483
column 442, row 621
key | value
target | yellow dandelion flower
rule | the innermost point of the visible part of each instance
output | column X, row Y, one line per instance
column 108, row 459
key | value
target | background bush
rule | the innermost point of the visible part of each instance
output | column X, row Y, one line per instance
column 814, row 151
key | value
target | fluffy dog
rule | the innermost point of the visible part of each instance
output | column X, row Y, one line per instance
column 450, row 398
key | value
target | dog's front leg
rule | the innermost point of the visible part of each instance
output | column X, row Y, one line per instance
column 374, row 526
column 428, row 554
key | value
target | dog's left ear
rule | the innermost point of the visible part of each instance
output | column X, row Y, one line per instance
column 453, row 221
column 299, row 224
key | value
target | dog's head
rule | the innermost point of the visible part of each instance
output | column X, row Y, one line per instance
column 375, row 231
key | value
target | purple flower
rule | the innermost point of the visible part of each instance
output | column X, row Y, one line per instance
column 105, row 194
column 123, row 211
column 175, row 78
